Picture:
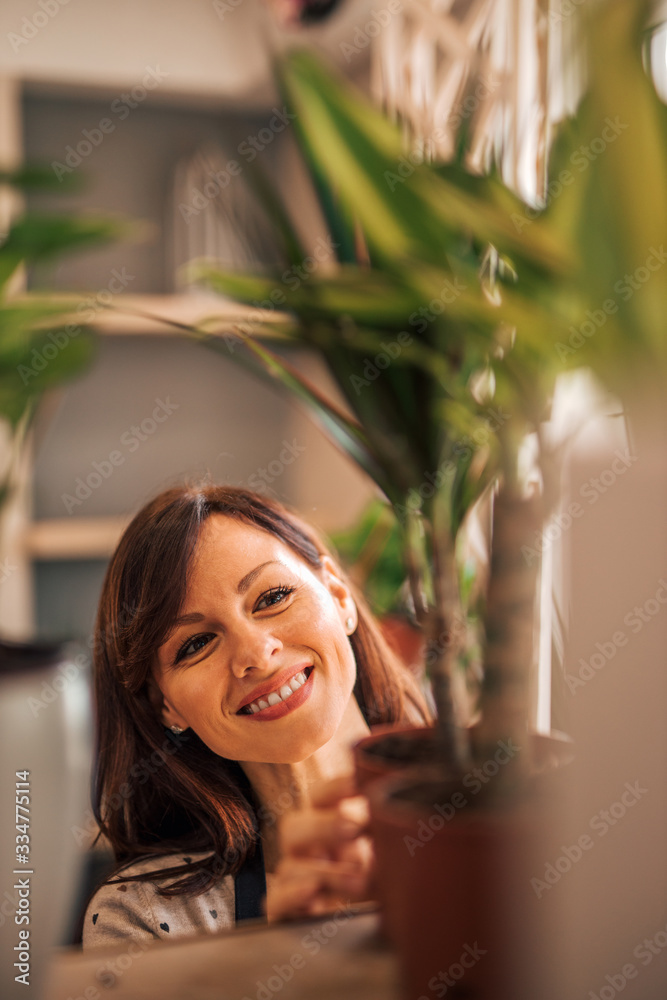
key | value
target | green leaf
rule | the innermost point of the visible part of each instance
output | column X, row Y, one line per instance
column 345, row 432
column 39, row 177
column 405, row 208
column 363, row 296
column 32, row 371
column 39, row 237
column 354, row 148
column 277, row 213
column 621, row 136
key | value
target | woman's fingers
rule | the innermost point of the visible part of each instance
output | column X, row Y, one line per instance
column 358, row 852
column 328, row 793
column 326, row 855
column 308, row 886
column 319, row 832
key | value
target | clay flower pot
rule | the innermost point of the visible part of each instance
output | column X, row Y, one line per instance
column 454, row 856
column 458, row 903
column 390, row 749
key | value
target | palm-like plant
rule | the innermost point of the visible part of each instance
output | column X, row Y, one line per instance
column 417, row 324
column 447, row 299
column 40, row 343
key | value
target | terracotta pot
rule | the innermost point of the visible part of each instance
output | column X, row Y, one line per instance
column 547, row 751
column 453, row 869
column 370, row 765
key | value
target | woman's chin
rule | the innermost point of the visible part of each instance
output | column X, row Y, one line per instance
column 293, row 747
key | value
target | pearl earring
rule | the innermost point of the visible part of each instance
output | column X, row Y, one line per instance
column 349, row 623
column 176, row 729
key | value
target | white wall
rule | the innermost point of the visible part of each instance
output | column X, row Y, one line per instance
column 102, row 44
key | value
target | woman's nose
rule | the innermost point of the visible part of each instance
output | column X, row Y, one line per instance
column 252, row 648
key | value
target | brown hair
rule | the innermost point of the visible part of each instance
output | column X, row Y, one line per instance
column 157, row 793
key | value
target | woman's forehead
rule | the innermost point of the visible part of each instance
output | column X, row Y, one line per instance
column 229, row 545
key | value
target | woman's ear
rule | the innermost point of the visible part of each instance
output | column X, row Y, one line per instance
column 163, row 709
column 341, row 593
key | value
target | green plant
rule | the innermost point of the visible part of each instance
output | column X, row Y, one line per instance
column 511, row 288
column 29, row 323
column 426, row 427
column 372, row 550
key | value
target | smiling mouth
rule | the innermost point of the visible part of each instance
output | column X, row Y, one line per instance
column 282, row 694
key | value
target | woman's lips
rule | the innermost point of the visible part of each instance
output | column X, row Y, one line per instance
column 284, row 707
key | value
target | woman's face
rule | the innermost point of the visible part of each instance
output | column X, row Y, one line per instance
column 258, row 664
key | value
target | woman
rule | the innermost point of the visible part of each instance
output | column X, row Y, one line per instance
column 235, row 667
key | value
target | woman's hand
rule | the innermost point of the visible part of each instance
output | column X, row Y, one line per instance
column 326, row 854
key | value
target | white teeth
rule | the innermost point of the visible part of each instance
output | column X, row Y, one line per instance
column 285, row 692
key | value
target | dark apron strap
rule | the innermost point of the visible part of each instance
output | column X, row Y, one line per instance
column 250, row 886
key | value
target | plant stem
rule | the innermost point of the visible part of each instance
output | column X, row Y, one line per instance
column 510, row 623
column 445, row 639
column 433, row 583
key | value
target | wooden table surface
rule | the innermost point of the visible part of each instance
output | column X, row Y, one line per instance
column 333, row 957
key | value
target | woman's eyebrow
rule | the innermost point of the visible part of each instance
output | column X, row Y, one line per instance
column 247, row 580
column 189, row 619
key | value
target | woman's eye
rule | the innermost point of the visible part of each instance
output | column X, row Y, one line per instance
column 192, row 646
column 272, row 597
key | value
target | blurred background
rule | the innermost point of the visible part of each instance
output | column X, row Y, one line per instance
column 159, row 112
column 208, row 88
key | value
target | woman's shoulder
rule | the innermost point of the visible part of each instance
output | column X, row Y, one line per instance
column 121, row 911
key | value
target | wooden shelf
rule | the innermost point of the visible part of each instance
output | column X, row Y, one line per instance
column 73, row 537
